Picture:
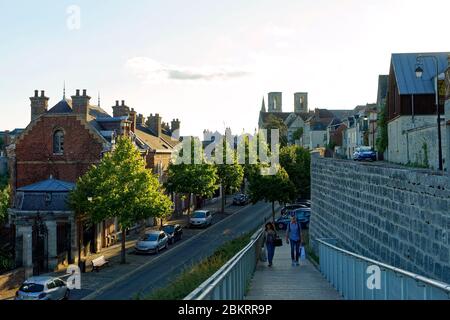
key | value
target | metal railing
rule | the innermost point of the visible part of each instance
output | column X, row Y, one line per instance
column 356, row 278
column 231, row 281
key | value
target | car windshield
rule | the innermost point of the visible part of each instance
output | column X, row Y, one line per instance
column 365, row 149
column 31, row 288
column 198, row 215
column 169, row 229
column 150, row 237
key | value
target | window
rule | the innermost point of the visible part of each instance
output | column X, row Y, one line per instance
column 58, row 142
column 51, row 285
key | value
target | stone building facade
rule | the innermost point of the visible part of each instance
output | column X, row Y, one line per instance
column 399, row 216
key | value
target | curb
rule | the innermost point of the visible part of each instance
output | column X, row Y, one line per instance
column 92, row 296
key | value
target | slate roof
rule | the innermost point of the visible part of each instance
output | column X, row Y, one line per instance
column 64, row 106
column 50, row 185
column 42, row 201
column 404, row 65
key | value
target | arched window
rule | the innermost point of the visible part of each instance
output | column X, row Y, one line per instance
column 58, row 142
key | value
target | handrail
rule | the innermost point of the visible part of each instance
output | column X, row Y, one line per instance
column 207, row 287
column 437, row 284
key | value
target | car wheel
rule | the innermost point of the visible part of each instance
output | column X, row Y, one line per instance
column 167, row 245
column 157, row 250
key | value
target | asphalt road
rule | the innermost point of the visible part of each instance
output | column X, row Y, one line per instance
column 168, row 265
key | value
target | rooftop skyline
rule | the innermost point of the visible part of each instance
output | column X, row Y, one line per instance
column 207, row 64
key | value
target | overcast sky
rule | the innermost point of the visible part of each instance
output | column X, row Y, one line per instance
column 208, row 63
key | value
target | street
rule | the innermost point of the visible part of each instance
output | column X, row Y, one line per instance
column 159, row 270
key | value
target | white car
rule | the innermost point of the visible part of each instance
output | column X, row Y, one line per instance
column 43, row 288
column 201, row 218
column 153, row 241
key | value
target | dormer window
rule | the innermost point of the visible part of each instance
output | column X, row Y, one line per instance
column 58, row 142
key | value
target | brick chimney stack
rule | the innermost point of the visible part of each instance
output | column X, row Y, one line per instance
column 120, row 109
column 80, row 104
column 39, row 104
column 175, row 128
column 154, row 123
column 133, row 119
column 140, row 121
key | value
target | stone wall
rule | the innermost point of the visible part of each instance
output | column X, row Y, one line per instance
column 396, row 215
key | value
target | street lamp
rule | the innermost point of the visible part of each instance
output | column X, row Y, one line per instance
column 419, row 74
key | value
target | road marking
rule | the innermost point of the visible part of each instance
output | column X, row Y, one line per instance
column 161, row 255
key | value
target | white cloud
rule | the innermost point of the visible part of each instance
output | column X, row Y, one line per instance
column 152, row 71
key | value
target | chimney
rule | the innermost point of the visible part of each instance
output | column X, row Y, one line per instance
column 154, row 123
column 140, row 120
column 120, row 109
column 39, row 104
column 175, row 128
column 80, row 104
column 132, row 118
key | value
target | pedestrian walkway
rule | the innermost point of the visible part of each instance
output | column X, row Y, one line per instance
column 282, row 281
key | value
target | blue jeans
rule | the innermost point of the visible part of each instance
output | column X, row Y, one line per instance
column 270, row 251
column 295, row 249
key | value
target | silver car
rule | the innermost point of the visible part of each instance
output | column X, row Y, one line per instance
column 43, row 288
column 153, row 241
column 201, row 218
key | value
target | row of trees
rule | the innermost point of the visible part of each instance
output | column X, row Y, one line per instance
column 121, row 186
column 4, row 197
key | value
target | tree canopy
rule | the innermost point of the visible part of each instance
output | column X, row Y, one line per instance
column 296, row 161
column 273, row 122
column 191, row 175
column 120, row 186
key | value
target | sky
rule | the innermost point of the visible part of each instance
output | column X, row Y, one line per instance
column 207, row 63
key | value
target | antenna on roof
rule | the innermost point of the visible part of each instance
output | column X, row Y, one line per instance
column 99, row 98
column 64, row 90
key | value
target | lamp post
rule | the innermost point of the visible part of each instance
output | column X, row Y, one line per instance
column 419, row 73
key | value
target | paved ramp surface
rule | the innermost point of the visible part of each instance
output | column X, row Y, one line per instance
column 282, row 281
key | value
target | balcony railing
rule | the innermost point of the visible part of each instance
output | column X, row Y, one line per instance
column 231, row 281
column 359, row 278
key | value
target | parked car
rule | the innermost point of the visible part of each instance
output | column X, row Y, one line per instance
column 201, row 218
column 152, row 242
column 291, row 207
column 364, row 153
column 303, row 216
column 305, row 202
column 240, row 199
column 43, row 288
column 173, row 231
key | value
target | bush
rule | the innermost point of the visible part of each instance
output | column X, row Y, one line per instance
column 191, row 278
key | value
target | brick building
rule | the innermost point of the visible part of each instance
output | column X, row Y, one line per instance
column 57, row 147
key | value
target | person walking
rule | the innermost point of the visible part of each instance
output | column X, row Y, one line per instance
column 294, row 237
column 270, row 236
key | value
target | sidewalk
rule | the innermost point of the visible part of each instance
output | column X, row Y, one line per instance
column 93, row 281
column 282, row 281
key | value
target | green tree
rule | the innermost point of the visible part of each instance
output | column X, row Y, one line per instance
column 298, row 134
column 274, row 122
column 191, row 175
column 120, row 186
column 230, row 175
column 382, row 139
column 297, row 161
column 5, row 192
column 272, row 188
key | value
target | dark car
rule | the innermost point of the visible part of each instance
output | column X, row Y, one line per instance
column 303, row 216
column 240, row 199
column 291, row 207
column 173, row 231
column 364, row 153
column 305, row 202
